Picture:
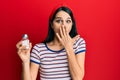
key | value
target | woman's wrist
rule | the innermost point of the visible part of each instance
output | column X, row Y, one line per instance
column 69, row 51
column 25, row 63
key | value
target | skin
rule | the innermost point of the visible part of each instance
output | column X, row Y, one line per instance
column 61, row 25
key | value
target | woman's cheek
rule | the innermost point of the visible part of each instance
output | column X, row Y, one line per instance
column 68, row 29
column 56, row 29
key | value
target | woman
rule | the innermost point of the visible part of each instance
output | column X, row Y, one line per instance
column 61, row 56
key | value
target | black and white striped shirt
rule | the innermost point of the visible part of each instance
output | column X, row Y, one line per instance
column 54, row 64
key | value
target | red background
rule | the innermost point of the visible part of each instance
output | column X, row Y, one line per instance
column 98, row 22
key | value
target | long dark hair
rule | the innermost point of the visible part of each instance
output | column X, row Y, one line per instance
column 51, row 33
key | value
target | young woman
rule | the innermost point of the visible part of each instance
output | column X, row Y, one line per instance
column 61, row 56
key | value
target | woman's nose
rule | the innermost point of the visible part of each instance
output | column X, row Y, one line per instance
column 63, row 23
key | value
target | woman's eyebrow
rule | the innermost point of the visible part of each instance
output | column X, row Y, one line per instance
column 58, row 17
column 61, row 18
column 69, row 18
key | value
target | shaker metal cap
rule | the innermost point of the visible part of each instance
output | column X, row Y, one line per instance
column 25, row 36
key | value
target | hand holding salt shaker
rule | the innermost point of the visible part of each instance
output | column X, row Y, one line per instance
column 25, row 41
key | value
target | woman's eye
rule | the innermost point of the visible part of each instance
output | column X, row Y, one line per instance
column 58, row 21
column 68, row 21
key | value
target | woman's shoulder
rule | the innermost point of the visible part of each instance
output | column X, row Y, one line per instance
column 79, row 40
column 39, row 45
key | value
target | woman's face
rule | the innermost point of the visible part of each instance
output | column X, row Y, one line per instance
column 62, row 19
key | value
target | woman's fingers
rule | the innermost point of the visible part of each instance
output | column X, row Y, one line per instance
column 19, row 44
column 58, row 36
column 30, row 45
column 63, row 31
column 22, row 49
column 66, row 31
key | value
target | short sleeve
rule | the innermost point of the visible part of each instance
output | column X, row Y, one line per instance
column 80, row 45
column 34, row 56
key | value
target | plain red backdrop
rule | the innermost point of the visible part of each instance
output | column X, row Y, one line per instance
column 98, row 22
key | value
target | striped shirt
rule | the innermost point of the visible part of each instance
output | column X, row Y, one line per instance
column 54, row 64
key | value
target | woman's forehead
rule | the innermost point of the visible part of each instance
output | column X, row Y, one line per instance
column 62, row 14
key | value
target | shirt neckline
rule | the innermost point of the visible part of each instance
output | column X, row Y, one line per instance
column 53, row 50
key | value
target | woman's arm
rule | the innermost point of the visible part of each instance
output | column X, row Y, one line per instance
column 26, row 71
column 34, row 70
column 30, row 71
column 76, row 64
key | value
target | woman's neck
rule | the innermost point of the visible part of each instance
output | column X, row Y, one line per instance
column 55, row 42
